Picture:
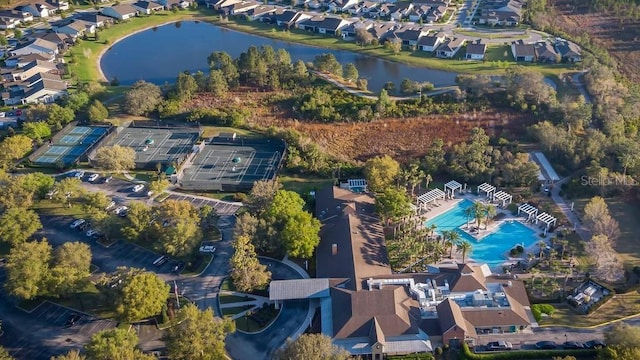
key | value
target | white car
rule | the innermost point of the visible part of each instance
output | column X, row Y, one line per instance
column 93, row 177
column 120, row 209
column 138, row 188
column 110, row 205
column 79, row 174
column 207, row 249
column 91, row 232
column 77, row 223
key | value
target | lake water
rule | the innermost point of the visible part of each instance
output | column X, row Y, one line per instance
column 157, row 55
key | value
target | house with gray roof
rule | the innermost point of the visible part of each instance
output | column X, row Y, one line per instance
column 36, row 46
column 119, row 12
column 147, row 7
column 546, row 53
column 38, row 9
column 323, row 24
column 431, row 42
column 568, row 51
column 450, row 47
column 411, row 35
column 501, row 12
column 475, row 50
column 523, row 52
column 76, row 28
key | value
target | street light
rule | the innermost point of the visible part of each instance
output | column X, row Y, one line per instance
column 565, row 337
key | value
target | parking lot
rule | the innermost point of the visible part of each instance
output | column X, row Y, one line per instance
column 222, row 208
column 57, row 315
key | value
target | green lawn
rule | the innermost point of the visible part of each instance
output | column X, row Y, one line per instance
column 87, row 300
column 203, row 259
column 235, row 310
column 265, row 316
column 228, row 299
column 48, row 207
column 617, row 307
column 303, row 184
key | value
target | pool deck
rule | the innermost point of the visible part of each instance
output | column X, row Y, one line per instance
column 443, row 206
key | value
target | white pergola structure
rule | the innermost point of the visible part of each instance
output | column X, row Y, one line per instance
column 547, row 219
column 451, row 187
column 530, row 210
column 487, row 189
column 430, row 196
column 357, row 184
column 503, row 197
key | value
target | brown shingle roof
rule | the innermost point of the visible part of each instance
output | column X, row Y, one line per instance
column 470, row 278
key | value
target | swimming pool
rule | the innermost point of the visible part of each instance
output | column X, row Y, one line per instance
column 492, row 248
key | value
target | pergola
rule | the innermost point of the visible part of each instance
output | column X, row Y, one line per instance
column 451, row 187
column 530, row 210
column 430, row 196
column 503, row 197
column 487, row 189
column 358, row 184
column 547, row 219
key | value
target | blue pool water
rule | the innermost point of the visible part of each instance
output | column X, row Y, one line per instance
column 492, row 248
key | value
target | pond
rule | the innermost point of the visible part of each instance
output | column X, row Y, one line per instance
column 157, row 55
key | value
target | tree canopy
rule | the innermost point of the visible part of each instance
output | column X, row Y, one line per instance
column 143, row 295
column 393, row 203
column 381, row 172
column 246, row 271
column 36, row 130
column 200, row 336
column 115, row 158
column 13, row 148
column 312, row 346
column 184, row 234
column 28, row 268
column 142, row 98
column 97, row 112
column 17, row 225
column 623, row 343
column 115, row 344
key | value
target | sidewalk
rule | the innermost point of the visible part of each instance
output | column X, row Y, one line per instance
column 581, row 230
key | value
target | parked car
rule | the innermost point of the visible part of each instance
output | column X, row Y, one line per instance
column 499, row 345
column 93, row 177
column 120, row 209
column 77, row 223
column 108, row 179
column 92, row 233
column 150, row 193
column 207, row 249
column 79, row 174
column 572, row 345
column 72, row 319
column 110, row 205
column 547, row 345
column 138, row 188
column 178, row 267
column 84, row 226
column 595, row 344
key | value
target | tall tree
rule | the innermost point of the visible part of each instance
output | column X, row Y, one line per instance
column 143, row 295
column 222, row 61
column 58, row 116
column 261, row 195
column 18, row 225
column 142, row 98
column 186, row 86
column 607, row 264
column 115, row 344
column 434, row 160
column 97, row 112
column 381, row 172
column 393, row 204
column 217, row 83
column 158, row 186
column 246, row 271
column 183, row 236
column 311, row 346
column 350, row 73
column 200, row 336
column 28, row 268
column 115, row 158
column 13, row 148
column 139, row 220
column 464, row 247
column 71, row 355
column 67, row 190
column 70, row 269
column 36, row 130
column 598, row 219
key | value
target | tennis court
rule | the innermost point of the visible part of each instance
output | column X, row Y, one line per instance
column 70, row 146
column 153, row 146
column 232, row 167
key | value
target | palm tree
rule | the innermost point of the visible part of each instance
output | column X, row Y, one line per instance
column 478, row 212
column 490, row 213
column 464, row 247
column 454, row 238
column 564, row 244
column 468, row 212
column 541, row 245
column 432, row 229
column 428, row 179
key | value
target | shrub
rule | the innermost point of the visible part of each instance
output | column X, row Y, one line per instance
column 438, row 351
column 538, row 309
column 513, row 252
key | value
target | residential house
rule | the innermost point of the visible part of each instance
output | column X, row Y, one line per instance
column 382, row 10
column 119, row 12
column 431, row 42
column 436, row 13
column 242, row 7
column 221, row 4
column 341, row 5
column 349, row 32
column 363, row 8
column 501, row 12
column 401, row 11
column 381, row 31
column 373, row 313
column 475, row 50
column 177, row 4
column 522, row 51
column 260, row 12
column 37, row 46
column 450, row 47
column 569, row 52
column 95, row 18
column 19, row 61
column 147, row 7
column 288, row 18
column 64, row 41
column 76, row 28
column 323, row 24
column 58, row 5
column 411, row 35
column 7, row 23
column 545, row 53
column 17, row 15
column 44, row 88
column 42, row 10
column 34, row 67
column 313, row 4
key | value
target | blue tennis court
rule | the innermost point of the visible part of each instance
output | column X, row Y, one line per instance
column 71, row 146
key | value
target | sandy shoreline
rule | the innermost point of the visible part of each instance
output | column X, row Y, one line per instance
column 101, row 54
